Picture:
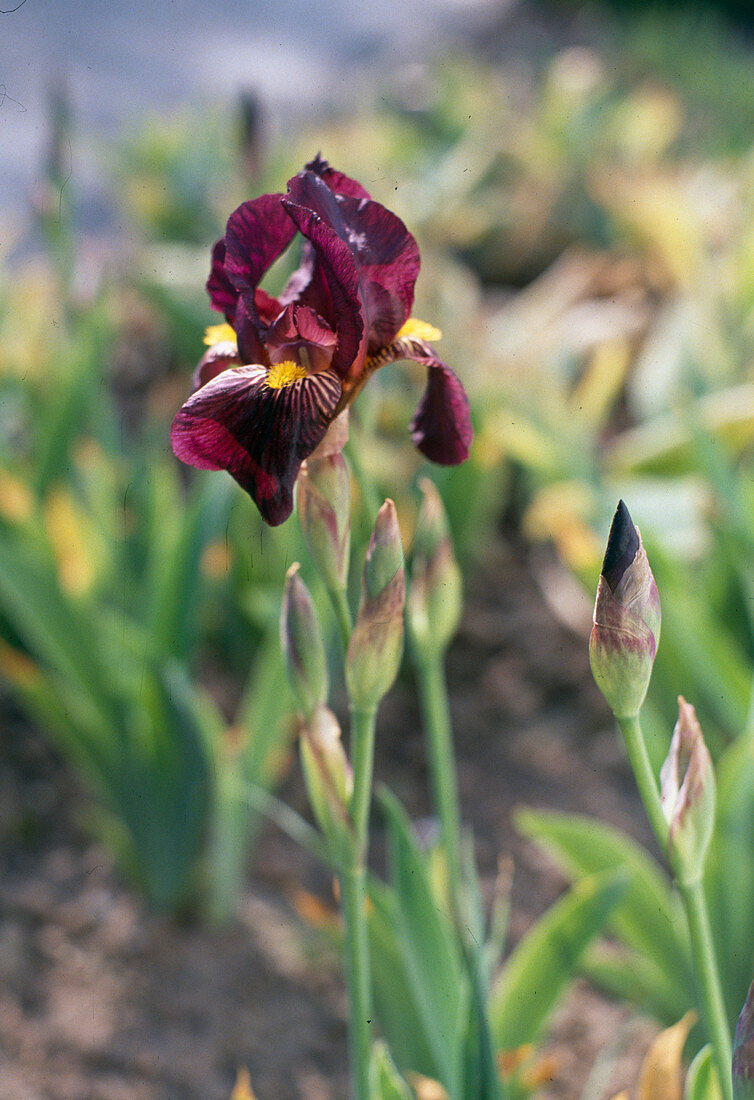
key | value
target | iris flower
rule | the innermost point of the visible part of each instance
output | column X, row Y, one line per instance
column 281, row 369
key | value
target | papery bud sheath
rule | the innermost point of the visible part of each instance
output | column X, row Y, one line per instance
column 376, row 646
column 626, row 629
column 434, row 601
column 324, row 513
column 301, row 640
column 687, row 790
column 327, row 773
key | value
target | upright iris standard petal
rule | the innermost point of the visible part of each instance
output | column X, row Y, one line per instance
column 337, row 181
column 260, row 433
column 257, row 233
column 342, row 280
column 385, row 254
column 222, row 294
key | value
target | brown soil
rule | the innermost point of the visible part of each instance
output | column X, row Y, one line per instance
column 101, row 1001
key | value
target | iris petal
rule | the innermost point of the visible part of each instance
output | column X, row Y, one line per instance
column 260, row 435
column 223, row 295
column 441, row 427
column 257, row 233
column 217, row 358
column 336, row 181
column 339, row 270
column 384, row 253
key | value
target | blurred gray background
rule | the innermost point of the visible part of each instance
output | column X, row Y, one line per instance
column 122, row 61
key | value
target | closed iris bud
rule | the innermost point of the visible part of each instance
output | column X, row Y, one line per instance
column 687, row 790
column 327, row 773
column 324, row 513
column 626, row 629
column 743, row 1051
column 376, row 646
column 301, row 640
column 434, row 601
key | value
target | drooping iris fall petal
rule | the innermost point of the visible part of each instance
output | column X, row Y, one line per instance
column 259, row 433
column 441, row 427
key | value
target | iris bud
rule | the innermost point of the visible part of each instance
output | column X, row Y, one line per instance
column 301, row 640
column 327, row 773
column 324, row 514
column 626, row 629
column 376, row 646
column 687, row 790
column 434, row 601
column 743, row 1051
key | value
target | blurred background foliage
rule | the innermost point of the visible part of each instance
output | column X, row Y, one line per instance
column 585, row 217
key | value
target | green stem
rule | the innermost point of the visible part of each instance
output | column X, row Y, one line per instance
column 645, row 777
column 705, row 964
column 342, row 614
column 702, row 947
column 437, row 726
column 362, row 760
column 353, row 881
column 353, row 902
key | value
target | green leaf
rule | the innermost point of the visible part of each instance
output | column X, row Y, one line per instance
column 729, row 877
column 385, row 1083
column 395, row 1000
column 635, row 979
column 701, row 1079
column 543, row 963
column 649, row 918
column 428, row 947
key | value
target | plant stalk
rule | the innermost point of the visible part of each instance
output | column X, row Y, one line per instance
column 353, row 881
column 437, row 726
column 708, row 977
column 645, row 777
column 353, row 902
column 342, row 614
column 362, row 760
column 702, row 947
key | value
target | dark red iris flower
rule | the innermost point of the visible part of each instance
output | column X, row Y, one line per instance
column 264, row 401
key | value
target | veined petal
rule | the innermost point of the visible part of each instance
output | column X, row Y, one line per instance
column 441, row 427
column 257, row 233
column 223, row 295
column 385, row 254
column 341, row 277
column 259, row 434
column 217, row 358
column 336, row 181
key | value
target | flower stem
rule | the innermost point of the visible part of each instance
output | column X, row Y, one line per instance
column 645, row 777
column 342, row 614
column 705, row 964
column 362, row 761
column 702, row 947
column 353, row 882
column 353, row 902
column 437, row 725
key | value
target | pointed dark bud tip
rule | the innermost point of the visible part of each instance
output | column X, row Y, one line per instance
column 622, row 547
